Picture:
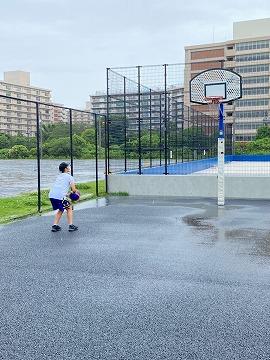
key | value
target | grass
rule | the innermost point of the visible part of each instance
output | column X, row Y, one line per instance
column 21, row 206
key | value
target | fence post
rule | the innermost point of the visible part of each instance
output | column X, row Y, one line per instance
column 38, row 157
column 96, row 148
column 165, row 121
column 139, row 121
column 150, row 115
column 160, row 129
column 208, row 133
column 188, row 144
column 182, row 138
column 193, row 135
column 125, row 124
column 176, row 137
column 106, row 128
column 71, row 140
column 197, row 134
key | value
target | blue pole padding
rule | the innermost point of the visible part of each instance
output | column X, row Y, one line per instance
column 220, row 121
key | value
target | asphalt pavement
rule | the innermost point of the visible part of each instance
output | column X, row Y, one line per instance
column 144, row 279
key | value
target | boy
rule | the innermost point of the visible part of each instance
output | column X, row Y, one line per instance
column 58, row 194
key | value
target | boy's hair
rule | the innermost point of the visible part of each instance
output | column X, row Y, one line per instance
column 63, row 166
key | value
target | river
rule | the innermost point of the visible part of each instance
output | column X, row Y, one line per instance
column 18, row 176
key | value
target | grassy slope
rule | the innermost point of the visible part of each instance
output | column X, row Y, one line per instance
column 16, row 207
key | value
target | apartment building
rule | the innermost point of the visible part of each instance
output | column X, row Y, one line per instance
column 247, row 54
column 151, row 106
column 16, row 116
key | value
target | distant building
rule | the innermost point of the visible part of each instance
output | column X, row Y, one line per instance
column 249, row 55
column 127, row 105
column 16, row 116
column 59, row 114
column 19, row 117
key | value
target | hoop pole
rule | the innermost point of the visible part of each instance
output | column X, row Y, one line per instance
column 221, row 146
column 220, row 121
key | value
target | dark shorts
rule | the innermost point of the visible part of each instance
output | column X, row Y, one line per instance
column 58, row 204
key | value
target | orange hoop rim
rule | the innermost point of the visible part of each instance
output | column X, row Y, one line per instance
column 214, row 99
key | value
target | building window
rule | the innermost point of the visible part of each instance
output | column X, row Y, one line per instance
column 256, row 91
column 248, row 125
column 262, row 44
column 255, row 80
column 252, row 102
column 251, row 114
column 245, row 137
column 252, row 57
column 252, row 68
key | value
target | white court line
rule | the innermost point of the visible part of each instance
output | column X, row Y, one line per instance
column 260, row 168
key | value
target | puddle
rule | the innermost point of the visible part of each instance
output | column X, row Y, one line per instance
column 96, row 203
column 246, row 229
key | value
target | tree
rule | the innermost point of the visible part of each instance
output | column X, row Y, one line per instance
column 20, row 139
column 4, row 153
column 89, row 135
column 263, row 132
column 117, row 130
column 61, row 147
column 259, row 146
column 18, row 152
column 4, row 141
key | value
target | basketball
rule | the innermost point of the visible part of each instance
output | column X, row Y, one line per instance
column 75, row 196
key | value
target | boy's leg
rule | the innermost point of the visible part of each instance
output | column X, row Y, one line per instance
column 70, row 215
column 57, row 217
column 71, row 227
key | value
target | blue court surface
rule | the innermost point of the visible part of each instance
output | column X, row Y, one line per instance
column 207, row 165
column 142, row 279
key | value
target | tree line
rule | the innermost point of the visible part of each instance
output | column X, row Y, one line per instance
column 55, row 142
column 260, row 145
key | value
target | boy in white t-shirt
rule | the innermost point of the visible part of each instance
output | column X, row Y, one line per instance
column 57, row 195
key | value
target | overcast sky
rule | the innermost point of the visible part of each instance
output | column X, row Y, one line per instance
column 67, row 44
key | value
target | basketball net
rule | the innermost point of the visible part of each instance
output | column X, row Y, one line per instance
column 213, row 102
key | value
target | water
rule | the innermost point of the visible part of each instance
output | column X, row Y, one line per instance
column 19, row 176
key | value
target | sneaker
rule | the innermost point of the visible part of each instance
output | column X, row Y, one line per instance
column 56, row 228
column 72, row 228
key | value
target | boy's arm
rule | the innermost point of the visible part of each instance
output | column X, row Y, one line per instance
column 73, row 187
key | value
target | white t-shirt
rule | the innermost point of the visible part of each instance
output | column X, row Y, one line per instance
column 61, row 186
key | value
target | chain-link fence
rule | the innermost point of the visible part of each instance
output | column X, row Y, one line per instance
column 153, row 126
column 150, row 129
column 35, row 137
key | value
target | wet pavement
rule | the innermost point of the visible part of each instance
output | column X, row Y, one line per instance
column 141, row 279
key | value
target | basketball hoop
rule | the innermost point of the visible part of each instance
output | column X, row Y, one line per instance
column 213, row 99
column 213, row 102
column 215, row 87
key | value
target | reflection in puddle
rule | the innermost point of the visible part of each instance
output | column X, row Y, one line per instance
column 197, row 222
column 248, row 232
column 96, row 203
